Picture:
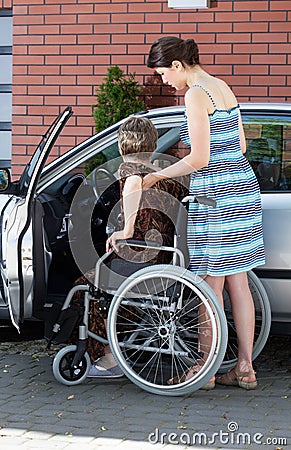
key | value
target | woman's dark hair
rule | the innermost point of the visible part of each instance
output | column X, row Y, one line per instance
column 170, row 48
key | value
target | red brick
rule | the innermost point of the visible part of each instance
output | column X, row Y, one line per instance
column 93, row 18
column 284, row 69
column 231, row 37
column 19, row 10
column 140, row 7
column 94, row 39
column 28, row 100
column 29, row 40
column 280, row 91
column 280, row 4
column 43, row 29
column 249, row 91
column 131, row 18
column 20, row 70
column 251, row 5
column 27, row 80
column 222, row 6
column 250, row 48
column 127, row 59
column 20, row 29
column 260, row 80
column 44, row 70
column 110, row 8
column 127, row 38
column 60, row 19
column 268, row 16
column 85, row 80
column 144, row 28
column 44, row 9
column 20, row 50
column 280, row 48
column 251, row 69
column 76, row 49
column 119, row 49
column 61, row 59
column 110, row 28
column 269, row 37
column 60, row 80
column 76, row 69
column 215, row 48
column 268, row 59
column 279, row 27
column 17, row 90
column 250, row 27
column 36, row 120
column 78, row 9
column 76, row 90
column 94, row 60
column 24, row 2
column 43, row 111
column 214, row 28
column 48, row 2
column 56, row 100
column 55, row 39
column 232, row 17
column 232, row 59
column 190, row 17
column 47, row 50
column 76, row 29
column 43, row 90
column 161, row 17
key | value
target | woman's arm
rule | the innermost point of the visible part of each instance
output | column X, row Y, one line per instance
column 242, row 137
column 132, row 191
column 199, row 133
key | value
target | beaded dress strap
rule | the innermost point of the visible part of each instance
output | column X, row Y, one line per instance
column 207, row 92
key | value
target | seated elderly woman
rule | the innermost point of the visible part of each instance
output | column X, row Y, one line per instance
column 147, row 215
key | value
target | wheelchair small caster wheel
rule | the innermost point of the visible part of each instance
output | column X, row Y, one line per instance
column 63, row 371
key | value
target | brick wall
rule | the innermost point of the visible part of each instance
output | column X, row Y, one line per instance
column 62, row 49
column 5, row 4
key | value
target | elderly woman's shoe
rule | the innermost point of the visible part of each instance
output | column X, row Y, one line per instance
column 190, row 373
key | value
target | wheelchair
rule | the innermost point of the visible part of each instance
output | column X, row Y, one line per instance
column 162, row 319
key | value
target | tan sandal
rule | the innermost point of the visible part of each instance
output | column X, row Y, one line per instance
column 235, row 378
column 190, row 373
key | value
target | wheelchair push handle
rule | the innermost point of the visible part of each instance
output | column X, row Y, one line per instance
column 202, row 199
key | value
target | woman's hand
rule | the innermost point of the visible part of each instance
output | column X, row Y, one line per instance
column 149, row 180
column 111, row 241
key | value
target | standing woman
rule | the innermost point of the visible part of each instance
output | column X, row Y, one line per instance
column 224, row 242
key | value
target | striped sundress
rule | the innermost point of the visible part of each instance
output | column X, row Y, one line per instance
column 227, row 239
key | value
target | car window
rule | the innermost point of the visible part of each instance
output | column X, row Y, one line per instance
column 109, row 156
column 269, row 150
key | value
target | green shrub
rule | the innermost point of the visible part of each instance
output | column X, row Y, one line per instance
column 117, row 98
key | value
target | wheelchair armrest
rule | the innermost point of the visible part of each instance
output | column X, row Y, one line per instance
column 138, row 243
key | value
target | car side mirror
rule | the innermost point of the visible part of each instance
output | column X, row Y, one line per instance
column 4, row 179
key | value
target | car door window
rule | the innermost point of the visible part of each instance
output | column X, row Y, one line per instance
column 269, row 150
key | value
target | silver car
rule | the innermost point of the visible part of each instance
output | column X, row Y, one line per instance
column 36, row 259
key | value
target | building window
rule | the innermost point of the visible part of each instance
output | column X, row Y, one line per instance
column 188, row 4
column 5, row 84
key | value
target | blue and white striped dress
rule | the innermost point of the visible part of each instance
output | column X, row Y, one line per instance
column 227, row 239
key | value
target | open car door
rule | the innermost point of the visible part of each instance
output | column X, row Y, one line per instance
column 21, row 214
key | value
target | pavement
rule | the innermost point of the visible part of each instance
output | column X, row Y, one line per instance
column 39, row 413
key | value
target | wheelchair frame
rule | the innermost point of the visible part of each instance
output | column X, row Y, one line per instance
column 155, row 323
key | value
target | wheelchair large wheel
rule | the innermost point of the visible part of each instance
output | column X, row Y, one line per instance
column 262, row 322
column 62, row 366
column 162, row 321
